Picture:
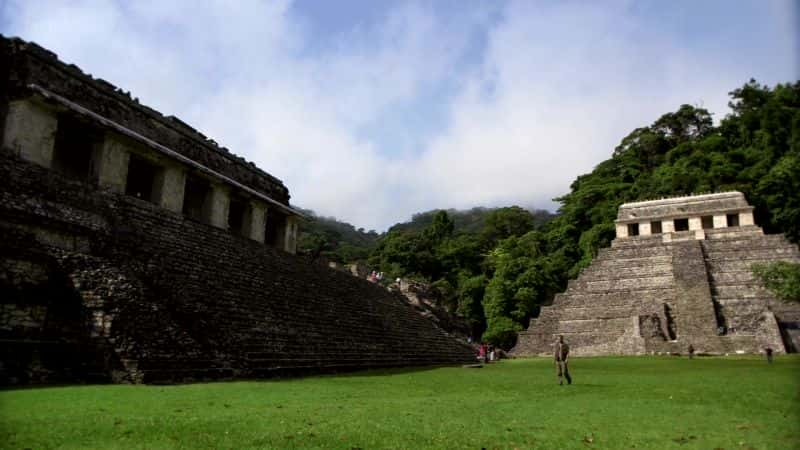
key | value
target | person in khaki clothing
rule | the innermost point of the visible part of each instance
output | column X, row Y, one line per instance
column 561, row 355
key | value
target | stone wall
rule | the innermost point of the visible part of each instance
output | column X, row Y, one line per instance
column 61, row 119
column 102, row 286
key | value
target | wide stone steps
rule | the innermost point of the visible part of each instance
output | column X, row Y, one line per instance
column 597, row 312
column 580, row 339
column 614, row 299
column 634, row 252
column 617, row 285
column 739, row 264
column 732, row 277
column 748, row 241
column 601, row 272
column 740, row 290
column 752, row 253
column 592, row 325
column 655, row 240
column 611, row 261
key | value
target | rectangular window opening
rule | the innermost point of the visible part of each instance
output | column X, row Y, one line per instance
column 275, row 229
column 239, row 213
column 708, row 222
column 633, row 229
column 733, row 220
column 681, row 224
column 195, row 198
column 75, row 146
column 142, row 176
column 655, row 227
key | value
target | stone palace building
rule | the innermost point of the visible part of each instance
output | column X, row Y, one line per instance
column 135, row 249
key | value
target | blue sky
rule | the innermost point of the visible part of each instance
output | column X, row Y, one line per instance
column 371, row 111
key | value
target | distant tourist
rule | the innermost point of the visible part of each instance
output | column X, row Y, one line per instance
column 482, row 352
column 491, row 353
column 691, row 351
column 768, row 352
column 561, row 356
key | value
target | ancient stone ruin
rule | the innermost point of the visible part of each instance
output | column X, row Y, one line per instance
column 678, row 273
column 134, row 249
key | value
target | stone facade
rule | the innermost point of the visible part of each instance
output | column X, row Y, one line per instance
column 133, row 249
column 62, row 119
column 661, row 287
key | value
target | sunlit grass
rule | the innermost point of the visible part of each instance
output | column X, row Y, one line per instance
column 647, row 402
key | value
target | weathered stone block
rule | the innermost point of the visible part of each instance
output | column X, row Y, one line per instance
column 168, row 189
column 111, row 163
column 30, row 131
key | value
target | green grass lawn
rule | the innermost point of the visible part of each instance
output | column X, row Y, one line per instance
column 645, row 402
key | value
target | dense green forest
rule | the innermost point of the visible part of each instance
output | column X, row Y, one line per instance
column 341, row 242
column 497, row 266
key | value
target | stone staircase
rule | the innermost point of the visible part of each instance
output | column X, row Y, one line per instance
column 599, row 309
column 739, row 297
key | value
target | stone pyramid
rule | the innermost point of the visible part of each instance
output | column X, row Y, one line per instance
column 677, row 274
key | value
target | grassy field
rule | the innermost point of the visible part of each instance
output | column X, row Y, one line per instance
column 646, row 402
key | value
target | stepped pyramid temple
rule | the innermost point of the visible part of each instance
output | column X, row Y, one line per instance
column 677, row 274
column 134, row 249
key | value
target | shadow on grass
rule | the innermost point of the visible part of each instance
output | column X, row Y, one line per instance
column 382, row 372
column 286, row 376
column 60, row 384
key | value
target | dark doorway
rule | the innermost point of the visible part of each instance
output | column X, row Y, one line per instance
column 708, row 222
column 633, row 229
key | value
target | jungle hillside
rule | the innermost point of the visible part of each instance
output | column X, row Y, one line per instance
column 497, row 266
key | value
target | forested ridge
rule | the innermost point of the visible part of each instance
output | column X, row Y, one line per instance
column 497, row 266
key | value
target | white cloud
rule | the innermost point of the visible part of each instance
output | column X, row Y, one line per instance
column 555, row 90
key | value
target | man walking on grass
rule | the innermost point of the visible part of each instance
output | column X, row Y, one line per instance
column 561, row 355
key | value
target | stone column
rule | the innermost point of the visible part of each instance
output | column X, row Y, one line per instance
column 644, row 229
column 720, row 221
column 290, row 241
column 30, row 131
column 111, row 164
column 695, row 223
column 254, row 229
column 668, row 226
column 746, row 218
column 169, row 188
column 622, row 230
column 218, row 202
